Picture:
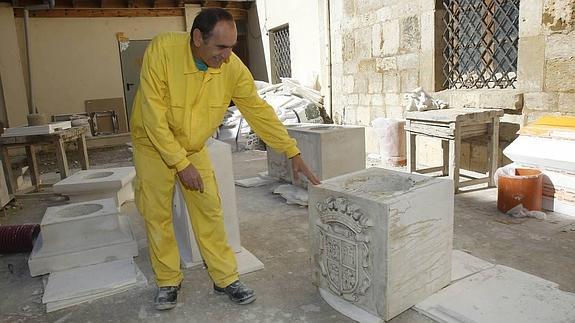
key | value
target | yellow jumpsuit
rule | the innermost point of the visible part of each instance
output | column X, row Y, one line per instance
column 176, row 109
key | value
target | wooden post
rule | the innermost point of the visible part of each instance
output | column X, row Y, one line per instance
column 493, row 151
column 445, row 149
column 411, row 147
column 33, row 164
column 7, row 165
column 83, row 151
column 61, row 156
column 454, row 156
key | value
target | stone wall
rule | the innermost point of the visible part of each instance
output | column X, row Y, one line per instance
column 381, row 49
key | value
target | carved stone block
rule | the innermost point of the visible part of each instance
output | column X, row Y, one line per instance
column 381, row 241
column 329, row 150
column 96, row 184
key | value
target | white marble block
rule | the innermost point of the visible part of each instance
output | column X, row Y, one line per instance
column 62, row 225
column 92, row 246
column 381, row 240
column 95, row 184
column 329, row 151
column 221, row 156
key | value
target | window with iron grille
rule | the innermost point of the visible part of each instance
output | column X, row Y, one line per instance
column 280, row 51
column 481, row 38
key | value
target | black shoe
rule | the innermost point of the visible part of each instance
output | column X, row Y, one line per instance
column 166, row 297
column 238, row 292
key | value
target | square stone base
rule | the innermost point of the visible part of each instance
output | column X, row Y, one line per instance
column 96, row 249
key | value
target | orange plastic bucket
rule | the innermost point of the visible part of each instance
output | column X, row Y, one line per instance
column 525, row 188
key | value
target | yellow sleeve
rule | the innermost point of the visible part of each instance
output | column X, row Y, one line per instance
column 261, row 116
column 155, row 102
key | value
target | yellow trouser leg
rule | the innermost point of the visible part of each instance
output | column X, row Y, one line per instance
column 207, row 219
column 154, row 188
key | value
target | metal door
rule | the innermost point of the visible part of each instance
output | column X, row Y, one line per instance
column 131, row 55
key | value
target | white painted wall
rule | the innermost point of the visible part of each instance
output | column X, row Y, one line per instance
column 76, row 59
column 302, row 16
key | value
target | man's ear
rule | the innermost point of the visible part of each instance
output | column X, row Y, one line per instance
column 197, row 37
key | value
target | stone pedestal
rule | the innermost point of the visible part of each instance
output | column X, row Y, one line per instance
column 81, row 234
column 329, row 151
column 221, row 156
column 95, row 184
column 381, row 241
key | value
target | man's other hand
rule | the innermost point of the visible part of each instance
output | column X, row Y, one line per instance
column 298, row 165
column 191, row 178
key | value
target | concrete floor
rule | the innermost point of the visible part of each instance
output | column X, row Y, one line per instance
column 277, row 234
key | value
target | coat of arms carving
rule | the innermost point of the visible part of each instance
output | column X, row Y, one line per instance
column 344, row 249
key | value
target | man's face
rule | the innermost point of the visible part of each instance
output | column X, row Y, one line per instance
column 216, row 50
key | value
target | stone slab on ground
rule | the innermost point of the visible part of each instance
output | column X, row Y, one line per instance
column 464, row 265
column 500, row 295
column 254, row 181
column 247, row 262
column 88, row 280
column 95, row 249
column 293, row 194
column 141, row 281
column 381, row 239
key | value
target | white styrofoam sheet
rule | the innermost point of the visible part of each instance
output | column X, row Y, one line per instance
column 500, row 295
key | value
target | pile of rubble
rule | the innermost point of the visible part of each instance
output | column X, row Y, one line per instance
column 292, row 102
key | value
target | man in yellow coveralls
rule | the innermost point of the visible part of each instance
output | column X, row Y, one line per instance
column 187, row 81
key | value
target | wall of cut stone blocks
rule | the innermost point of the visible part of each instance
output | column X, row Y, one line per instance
column 382, row 49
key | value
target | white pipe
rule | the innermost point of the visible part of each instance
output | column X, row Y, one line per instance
column 31, row 103
column 328, row 45
column 51, row 4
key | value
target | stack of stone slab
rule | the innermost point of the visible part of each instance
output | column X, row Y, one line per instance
column 190, row 256
column 329, row 151
column 87, row 246
column 381, row 241
column 554, row 139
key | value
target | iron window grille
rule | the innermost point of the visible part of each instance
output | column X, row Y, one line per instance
column 481, row 41
column 281, row 61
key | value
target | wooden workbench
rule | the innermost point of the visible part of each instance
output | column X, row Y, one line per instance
column 31, row 142
column 452, row 126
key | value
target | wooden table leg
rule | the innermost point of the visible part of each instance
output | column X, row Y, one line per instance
column 7, row 166
column 493, row 151
column 83, row 151
column 61, row 156
column 445, row 149
column 33, row 164
column 411, row 152
column 454, row 157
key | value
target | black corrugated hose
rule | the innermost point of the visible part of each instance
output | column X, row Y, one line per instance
column 18, row 238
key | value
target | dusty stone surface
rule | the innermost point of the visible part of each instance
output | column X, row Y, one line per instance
column 479, row 230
